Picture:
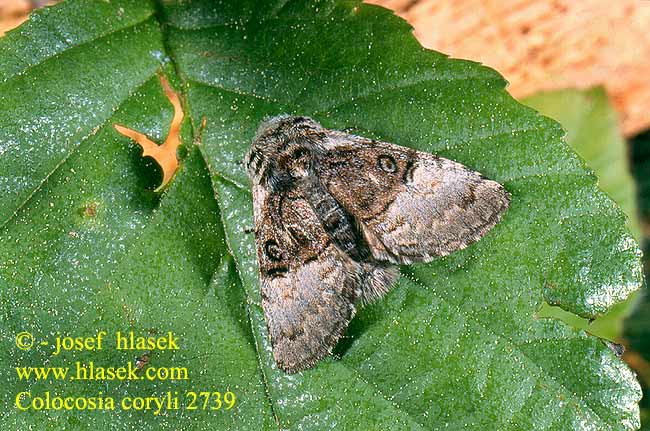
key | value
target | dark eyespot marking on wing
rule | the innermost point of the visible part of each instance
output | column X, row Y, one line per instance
column 273, row 250
column 387, row 163
column 407, row 177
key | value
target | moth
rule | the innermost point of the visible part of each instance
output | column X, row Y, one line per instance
column 335, row 214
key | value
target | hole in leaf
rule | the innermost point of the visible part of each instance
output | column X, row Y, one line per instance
column 165, row 155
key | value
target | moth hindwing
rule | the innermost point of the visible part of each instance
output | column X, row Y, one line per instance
column 335, row 213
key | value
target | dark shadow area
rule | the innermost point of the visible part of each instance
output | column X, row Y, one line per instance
column 149, row 176
column 637, row 326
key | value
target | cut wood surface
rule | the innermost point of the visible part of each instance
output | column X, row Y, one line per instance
column 13, row 13
column 544, row 45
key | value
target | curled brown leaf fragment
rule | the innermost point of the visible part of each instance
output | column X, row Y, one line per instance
column 165, row 154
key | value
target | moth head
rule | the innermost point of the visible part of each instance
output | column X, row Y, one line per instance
column 282, row 150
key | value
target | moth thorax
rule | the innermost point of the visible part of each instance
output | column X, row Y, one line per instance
column 297, row 162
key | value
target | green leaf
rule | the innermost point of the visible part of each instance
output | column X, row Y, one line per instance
column 86, row 246
column 592, row 130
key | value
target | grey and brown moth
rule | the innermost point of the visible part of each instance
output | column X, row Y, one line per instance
column 335, row 214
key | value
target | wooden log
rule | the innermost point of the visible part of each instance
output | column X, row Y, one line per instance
column 13, row 13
